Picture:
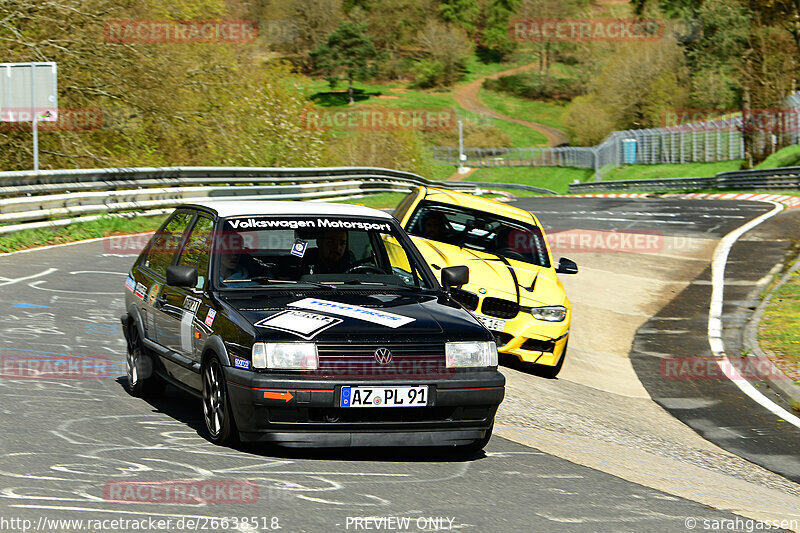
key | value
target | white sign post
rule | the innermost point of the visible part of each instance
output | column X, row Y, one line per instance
column 29, row 93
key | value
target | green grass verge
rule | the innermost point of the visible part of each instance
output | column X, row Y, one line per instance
column 381, row 200
column 441, row 172
column 78, row 231
column 521, row 136
column 547, row 113
column 379, row 95
column 553, row 178
column 686, row 170
column 779, row 330
column 785, row 157
column 475, row 68
column 395, row 95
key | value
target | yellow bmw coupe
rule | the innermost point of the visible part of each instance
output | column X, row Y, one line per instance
column 513, row 287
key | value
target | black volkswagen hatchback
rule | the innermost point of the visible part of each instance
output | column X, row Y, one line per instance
column 308, row 324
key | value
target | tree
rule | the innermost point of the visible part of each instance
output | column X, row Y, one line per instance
column 163, row 103
column 588, row 123
column 462, row 12
column 551, row 9
column 642, row 81
column 495, row 40
column 768, row 76
column 348, row 49
column 314, row 19
column 446, row 48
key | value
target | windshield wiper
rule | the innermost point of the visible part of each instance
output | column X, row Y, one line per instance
column 269, row 281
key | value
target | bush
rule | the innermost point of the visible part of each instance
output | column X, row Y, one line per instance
column 475, row 136
column 588, row 123
column 401, row 150
column 446, row 50
column 427, row 73
column 535, row 86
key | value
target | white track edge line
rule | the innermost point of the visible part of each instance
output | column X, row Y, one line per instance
column 718, row 263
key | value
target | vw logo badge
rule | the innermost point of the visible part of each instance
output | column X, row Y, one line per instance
column 383, row 356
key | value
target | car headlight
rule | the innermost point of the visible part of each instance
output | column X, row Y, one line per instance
column 555, row 313
column 285, row 355
column 470, row 354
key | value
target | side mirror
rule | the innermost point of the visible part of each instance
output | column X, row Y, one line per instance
column 182, row 276
column 454, row 276
column 566, row 266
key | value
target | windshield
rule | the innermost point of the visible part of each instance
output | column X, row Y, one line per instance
column 327, row 252
column 477, row 230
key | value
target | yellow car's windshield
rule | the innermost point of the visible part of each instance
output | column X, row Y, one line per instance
column 481, row 231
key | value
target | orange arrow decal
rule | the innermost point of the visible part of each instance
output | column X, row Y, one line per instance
column 285, row 396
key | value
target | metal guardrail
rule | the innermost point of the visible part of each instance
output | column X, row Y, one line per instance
column 58, row 197
column 667, row 184
column 786, row 178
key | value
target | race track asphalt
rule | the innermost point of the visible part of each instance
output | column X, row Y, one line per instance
column 67, row 441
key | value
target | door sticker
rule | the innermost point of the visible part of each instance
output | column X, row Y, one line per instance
column 141, row 291
column 153, row 294
column 210, row 317
column 186, row 331
column 191, row 304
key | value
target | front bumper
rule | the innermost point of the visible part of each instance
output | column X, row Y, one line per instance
column 525, row 337
column 305, row 412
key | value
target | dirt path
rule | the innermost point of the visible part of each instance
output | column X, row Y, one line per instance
column 468, row 98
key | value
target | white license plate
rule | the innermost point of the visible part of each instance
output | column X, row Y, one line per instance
column 384, row 396
column 493, row 324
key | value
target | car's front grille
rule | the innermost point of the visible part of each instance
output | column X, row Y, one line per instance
column 467, row 299
column 501, row 339
column 347, row 360
column 538, row 345
column 499, row 308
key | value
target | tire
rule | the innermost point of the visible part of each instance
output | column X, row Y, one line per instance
column 550, row 372
column 142, row 380
column 217, row 411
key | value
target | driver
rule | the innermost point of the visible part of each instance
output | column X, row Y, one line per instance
column 232, row 271
column 435, row 226
column 333, row 255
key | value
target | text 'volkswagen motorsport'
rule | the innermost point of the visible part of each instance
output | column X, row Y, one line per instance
column 513, row 287
column 308, row 325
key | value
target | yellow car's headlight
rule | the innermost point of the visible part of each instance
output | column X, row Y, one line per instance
column 552, row 313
